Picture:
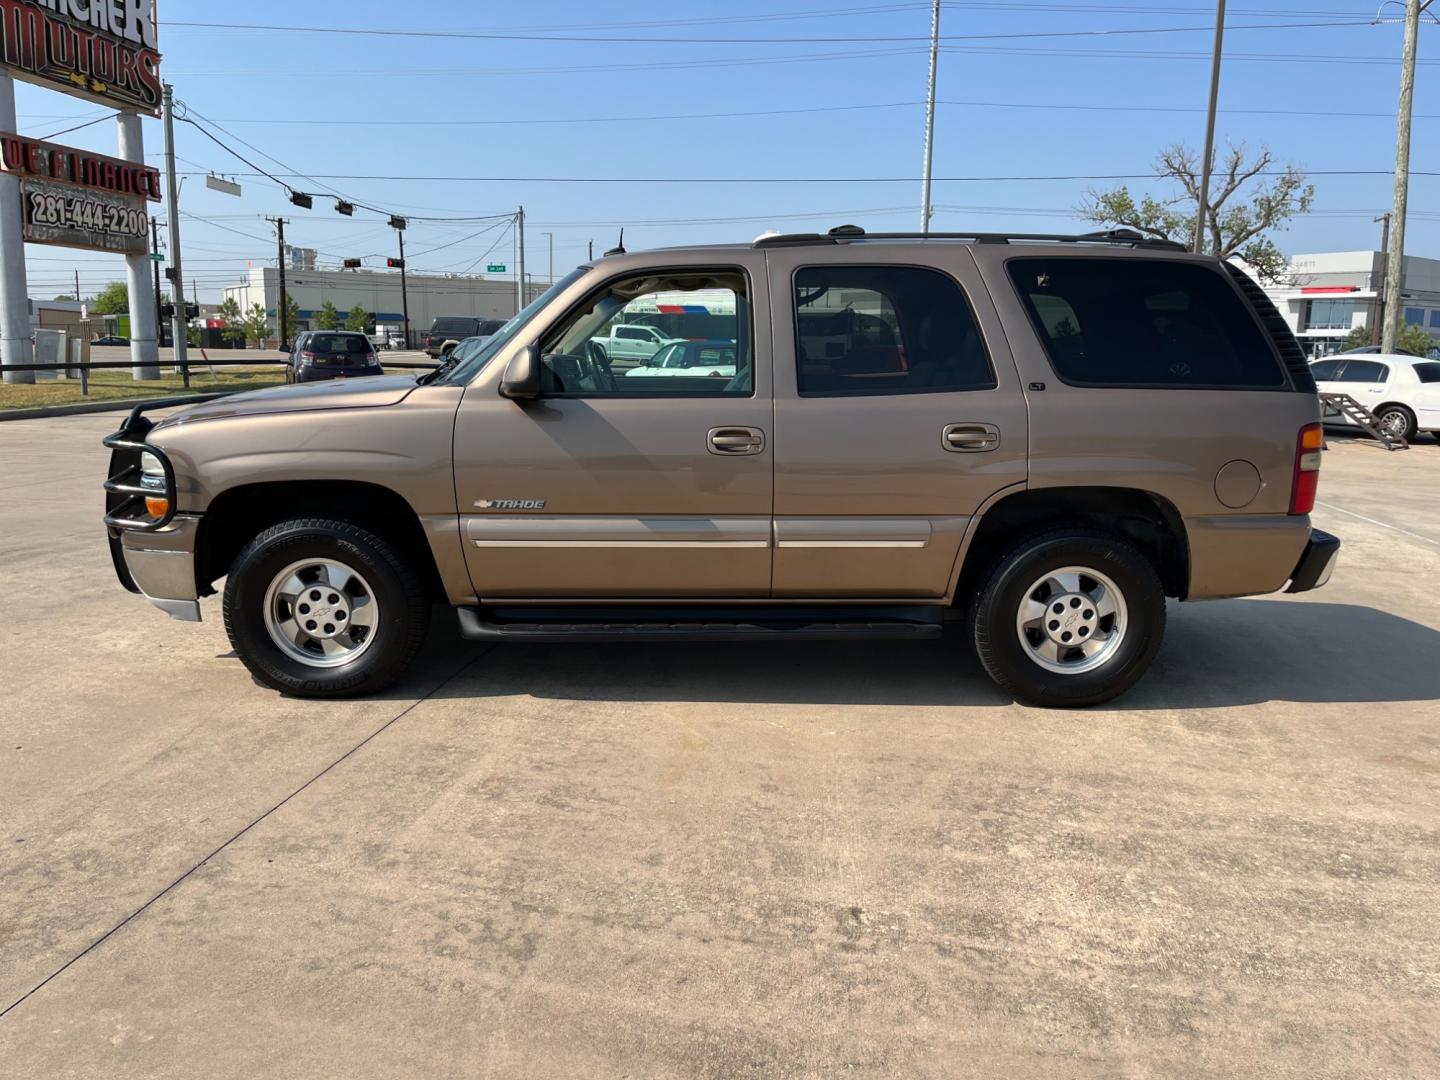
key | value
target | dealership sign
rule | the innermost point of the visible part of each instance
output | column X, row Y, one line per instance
column 102, row 50
column 78, row 198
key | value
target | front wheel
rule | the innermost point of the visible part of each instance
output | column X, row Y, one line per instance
column 319, row 607
column 1069, row 618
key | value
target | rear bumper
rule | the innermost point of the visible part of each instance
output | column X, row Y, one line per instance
column 313, row 374
column 1317, row 562
column 160, row 565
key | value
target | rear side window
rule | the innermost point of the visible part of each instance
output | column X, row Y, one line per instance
column 1325, row 370
column 1144, row 322
column 1428, row 373
column 454, row 327
column 1371, row 371
column 885, row 330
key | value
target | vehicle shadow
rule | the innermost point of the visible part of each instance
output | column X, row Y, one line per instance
column 1240, row 652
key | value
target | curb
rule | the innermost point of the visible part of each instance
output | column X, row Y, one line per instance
column 118, row 405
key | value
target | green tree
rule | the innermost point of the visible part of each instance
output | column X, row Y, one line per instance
column 113, row 299
column 327, row 318
column 64, row 296
column 1244, row 205
column 257, row 325
column 357, row 318
column 1358, row 338
column 292, row 314
column 233, row 322
column 1414, row 339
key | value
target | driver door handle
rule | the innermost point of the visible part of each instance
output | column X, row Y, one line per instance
column 735, row 441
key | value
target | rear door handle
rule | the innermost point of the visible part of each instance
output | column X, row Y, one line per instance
column 970, row 438
column 735, row 441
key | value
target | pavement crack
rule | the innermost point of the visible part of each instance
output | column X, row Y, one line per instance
column 469, row 662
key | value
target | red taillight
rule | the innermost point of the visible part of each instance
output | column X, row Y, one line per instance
column 307, row 356
column 1307, row 469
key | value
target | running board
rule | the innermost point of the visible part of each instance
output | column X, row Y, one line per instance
column 732, row 623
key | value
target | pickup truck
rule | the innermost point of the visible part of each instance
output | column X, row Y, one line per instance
column 632, row 342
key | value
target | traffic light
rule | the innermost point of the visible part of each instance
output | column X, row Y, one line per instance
column 343, row 207
column 397, row 222
column 192, row 311
column 300, row 199
column 352, row 264
column 169, row 273
column 167, row 311
column 395, row 264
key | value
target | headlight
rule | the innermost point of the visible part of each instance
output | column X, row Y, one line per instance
column 150, row 466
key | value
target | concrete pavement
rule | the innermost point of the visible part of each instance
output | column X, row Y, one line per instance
column 676, row 860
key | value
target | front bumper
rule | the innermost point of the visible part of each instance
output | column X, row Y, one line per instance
column 160, row 565
column 154, row 556
column 1317, row 562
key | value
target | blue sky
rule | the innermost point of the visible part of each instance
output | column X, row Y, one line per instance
column 1016, row 105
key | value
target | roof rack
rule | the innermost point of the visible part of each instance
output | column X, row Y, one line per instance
column 844, row 233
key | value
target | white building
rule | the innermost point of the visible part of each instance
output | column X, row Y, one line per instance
column 378, row 293
column 1326, row 295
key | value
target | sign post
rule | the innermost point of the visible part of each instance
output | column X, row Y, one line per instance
column 107, row 53
column 144, row 349
column 14, row 298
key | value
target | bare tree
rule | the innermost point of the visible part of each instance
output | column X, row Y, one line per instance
column 1248, row 200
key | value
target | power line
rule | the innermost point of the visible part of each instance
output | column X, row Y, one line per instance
column 590, row 39
column 801, row 179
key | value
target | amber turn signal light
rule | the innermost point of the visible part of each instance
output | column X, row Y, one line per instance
column 156, row 508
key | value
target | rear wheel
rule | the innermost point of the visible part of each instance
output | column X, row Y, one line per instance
column 1070, row 617
column 1396, row 421
column 320, row 607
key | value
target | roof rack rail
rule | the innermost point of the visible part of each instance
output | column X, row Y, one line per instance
column 1127, row 237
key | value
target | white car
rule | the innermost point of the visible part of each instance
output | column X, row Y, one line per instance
column 693, row 358
column 1402, row 391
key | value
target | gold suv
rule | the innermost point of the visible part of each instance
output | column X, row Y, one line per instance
column 1037, row 439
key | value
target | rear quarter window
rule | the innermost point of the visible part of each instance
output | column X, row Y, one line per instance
column 1144, row 323
column 1428, row 373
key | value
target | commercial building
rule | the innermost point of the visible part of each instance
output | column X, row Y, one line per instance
column 1327, row 295
column 429, row 296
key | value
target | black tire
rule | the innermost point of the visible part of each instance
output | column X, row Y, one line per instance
column 995, row 607
column 399, row 591
column 1405, row 426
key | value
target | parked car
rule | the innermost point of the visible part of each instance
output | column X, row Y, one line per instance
column 633, row 343
column 692, row 358
column 318, row 355
column 1401, row 391
column 1080, row 428
column 111, row 339
column 457, row 328
column 1372, row 349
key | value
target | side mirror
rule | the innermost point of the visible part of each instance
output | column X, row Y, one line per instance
column 521, row 381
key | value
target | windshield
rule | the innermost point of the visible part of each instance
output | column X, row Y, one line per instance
column 473, row 364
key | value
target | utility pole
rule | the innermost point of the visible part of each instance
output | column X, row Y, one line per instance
column 280, row 308
column 404, row 294
column 590, row 251
column 1203, row 212
column 520, row 256
column 930, row 119
column 155, row 251
column 77, row 287
column 1378, row 318
column 551, row 278
column 1395, row 260
column 179, row 322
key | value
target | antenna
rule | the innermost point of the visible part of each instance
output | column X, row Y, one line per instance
column 618, row 249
